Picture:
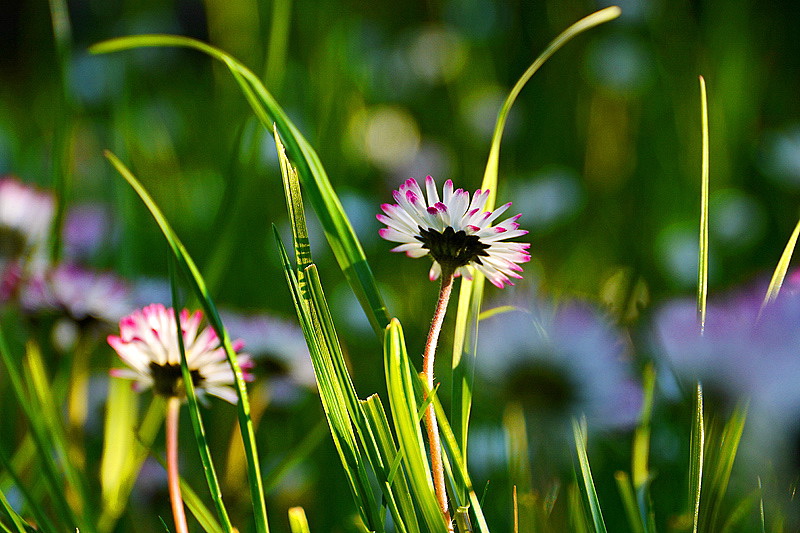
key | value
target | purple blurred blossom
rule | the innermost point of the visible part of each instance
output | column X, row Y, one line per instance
column 79, row 292
column 561, row 360
column 86, row 230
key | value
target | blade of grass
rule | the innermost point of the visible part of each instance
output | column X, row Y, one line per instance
column 719, row 462
column 338, row 230
column 586, row 474
column 629, row 501
column 331, row 396
column 46, row 460
column 36, row 509
column 117, row 493
column 471, row 292
column 696, row 460
column 298, row 521
column 194, row 410
column 49, row 418
column 702, row 262
column 780, row 270
column 640, row 456
column 193, row 276
column 16, row 520
column 407, row 425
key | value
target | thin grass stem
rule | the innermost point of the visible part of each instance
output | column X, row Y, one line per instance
column 173, row 477
column 431, row 425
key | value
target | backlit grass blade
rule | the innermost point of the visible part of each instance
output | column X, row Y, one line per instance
column 338, row 230
column 44, row 452
column 37, row 510
column 194, row 410
column 640, row 454
column 586, row 475
column 697, row 458
column 192, row 275
column 702, row 262
column 49, row 417
column 407, row 425
column 120, row 468
column 720, row 456
column 780, row 270
column 298, row 521
column 471, row 292
column 201, row 513
column 16, row 520
column 402, row 507
column 628, row 497
column 331, row 396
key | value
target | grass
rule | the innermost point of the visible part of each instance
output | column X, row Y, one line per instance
column 59, row 473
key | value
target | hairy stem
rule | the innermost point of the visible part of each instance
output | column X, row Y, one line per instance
column 431, row 425
column 173, row 479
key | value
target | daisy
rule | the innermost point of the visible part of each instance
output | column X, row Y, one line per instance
column 455, row 231
column 148, row 344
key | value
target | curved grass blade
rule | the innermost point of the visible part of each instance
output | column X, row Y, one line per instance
column 194, row 410
column 719, row 461
column 696, row 460
column 471, row 292
column 629, row 502
column 192, row 275
column 780, row 270
column 11, row 514
column 338, row 230
column 702, row 261
column 586, row 474
column 38, row 512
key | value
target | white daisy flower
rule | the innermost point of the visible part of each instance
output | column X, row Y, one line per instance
column 455, row 231
column 148, row 344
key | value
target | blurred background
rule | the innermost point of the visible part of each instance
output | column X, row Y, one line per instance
column 601, row 156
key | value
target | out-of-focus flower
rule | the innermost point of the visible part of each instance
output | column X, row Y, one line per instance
column 559, row 362
column 279, row 347
column 25, row 218
column 148, row 344
column 743, row 353
column 455, row 231
column 86, row 230
column 80, row 293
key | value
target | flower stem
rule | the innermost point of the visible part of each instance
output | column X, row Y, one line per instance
column 431, row 425
column 173, row 479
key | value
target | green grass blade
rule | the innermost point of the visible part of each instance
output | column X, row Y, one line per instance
column 334, row 403
column 16, row 520
column 406, row 422
column 781, row 269
column 586, row 475
column 471, row 292
column 49, row 419
column 586, row 23
column 719, row 461
column 194, row 411
column 402, row 505
column 298, row 521
column 119, row 446
column 702, row 262
column 36, row 509
column 628, row 497
column 43, row 446
column 696, row 460
column 338, row 230
column 192, row 275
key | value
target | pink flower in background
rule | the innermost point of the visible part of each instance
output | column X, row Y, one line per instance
column 148, row 344
column 79, row 292
column 455, row 231
column 25, row 218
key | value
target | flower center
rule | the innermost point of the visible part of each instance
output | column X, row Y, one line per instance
column 168, row 379
column 452, row 249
